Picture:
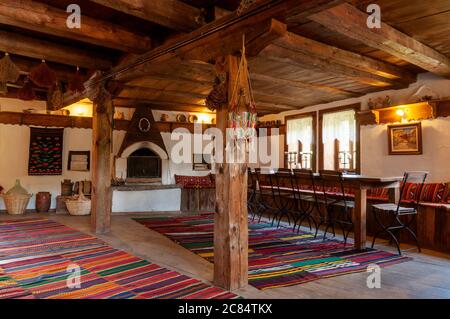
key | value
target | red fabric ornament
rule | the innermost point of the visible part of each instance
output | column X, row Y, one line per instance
column 43, row 76
column 26, row 93
column 76, row 83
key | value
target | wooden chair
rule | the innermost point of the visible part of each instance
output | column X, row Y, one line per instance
column 338, row 205
column 397, row 212
column 265, row 193
column 307, row 204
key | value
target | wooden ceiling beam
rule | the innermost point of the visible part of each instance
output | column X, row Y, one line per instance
column 15, row 43
column 310, row 62
column 349, row 59
column 40, row 17
column 141, row 92
column 302, row 85
column 208, row 71
column 173, row 14
column 212, row 35
column 349, row 21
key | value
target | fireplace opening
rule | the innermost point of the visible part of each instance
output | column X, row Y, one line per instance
column 143, row 164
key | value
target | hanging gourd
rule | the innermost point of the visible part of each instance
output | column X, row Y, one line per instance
column 26, row 92
column 76, row 82
column 43, row 76
column 242, row 116
column 9, row 72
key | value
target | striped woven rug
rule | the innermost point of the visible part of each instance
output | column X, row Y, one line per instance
column 36, row 256
column 277, row 257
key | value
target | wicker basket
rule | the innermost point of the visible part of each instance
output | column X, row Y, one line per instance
column 80, row 206
column 16, row 204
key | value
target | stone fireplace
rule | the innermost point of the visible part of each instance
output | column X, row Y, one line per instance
column 143, row 162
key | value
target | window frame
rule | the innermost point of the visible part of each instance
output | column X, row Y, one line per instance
column 313, row 115
column 356, row 107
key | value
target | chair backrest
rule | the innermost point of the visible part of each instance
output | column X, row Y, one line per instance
column 300, row 178
column 264, row 178
column 415, row 177
column 333, row 179
column 282, row 183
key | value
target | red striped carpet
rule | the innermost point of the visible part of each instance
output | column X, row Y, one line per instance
column 277, row 257
column 36, row 255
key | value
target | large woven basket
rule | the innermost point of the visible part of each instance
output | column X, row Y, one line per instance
column 16, row 204
column 80, row 206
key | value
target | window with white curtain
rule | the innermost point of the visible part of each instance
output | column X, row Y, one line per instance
column 299, row 139
column 338, row 138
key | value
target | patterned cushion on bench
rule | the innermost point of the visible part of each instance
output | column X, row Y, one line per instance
column 446, row 197
column 378, row 193
column 433, row 192
column 409, row 192
column 194, row 181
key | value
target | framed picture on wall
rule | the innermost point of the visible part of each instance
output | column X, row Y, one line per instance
column 405, row 139
column 79, row 161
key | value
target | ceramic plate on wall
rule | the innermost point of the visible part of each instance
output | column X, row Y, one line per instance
column 181, row 118
column 193, row 119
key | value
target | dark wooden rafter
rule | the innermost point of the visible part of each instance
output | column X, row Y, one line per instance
column 40, row 17
column 34, row 48
column 213, row 34
column 351, row 22
column 173, row 14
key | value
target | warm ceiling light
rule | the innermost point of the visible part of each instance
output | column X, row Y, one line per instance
column 400, row 113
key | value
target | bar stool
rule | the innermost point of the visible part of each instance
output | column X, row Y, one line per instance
column 397, row 212
column 338, row 205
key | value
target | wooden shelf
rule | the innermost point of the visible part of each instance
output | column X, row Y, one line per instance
column 413, row 112
column 50, row 120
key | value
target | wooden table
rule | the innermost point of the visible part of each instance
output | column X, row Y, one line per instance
column 360, row 184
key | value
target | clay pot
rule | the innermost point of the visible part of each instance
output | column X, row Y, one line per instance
column 43, row 201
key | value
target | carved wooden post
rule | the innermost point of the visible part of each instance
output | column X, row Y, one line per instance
column 102, row 130
column 231, row 221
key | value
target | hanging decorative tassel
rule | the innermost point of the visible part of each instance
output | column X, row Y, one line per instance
column 76, row 83
column 26, row 93
column 43, row 76
column 9, row 72
column 55, row 96
column 242, row 117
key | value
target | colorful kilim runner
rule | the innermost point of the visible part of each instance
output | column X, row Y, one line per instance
column 39, row 258
column 277, row 257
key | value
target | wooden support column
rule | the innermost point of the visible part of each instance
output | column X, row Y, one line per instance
column 360, row 218
column 231, row 220
column 101, row 162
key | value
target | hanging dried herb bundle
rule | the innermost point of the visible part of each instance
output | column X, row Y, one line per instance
column 26, row 93
column 55, row 96
column 219, row 94
column 243, row 6
column 76, row 82
column 43, row 76
column 9, row 72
